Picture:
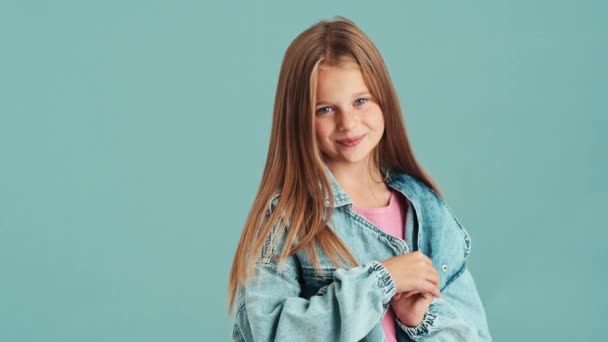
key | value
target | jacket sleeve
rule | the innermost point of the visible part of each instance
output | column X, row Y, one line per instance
column 270, row 308
column 457, row 316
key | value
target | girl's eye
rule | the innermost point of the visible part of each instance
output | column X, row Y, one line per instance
column 323, row 110
column 364, row 100
column 358, row 102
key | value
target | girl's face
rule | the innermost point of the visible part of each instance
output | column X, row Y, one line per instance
column 348, row 120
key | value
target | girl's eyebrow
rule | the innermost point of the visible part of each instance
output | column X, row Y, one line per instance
column 365, row 92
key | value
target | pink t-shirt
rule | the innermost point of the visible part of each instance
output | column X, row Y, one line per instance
column 391, row 220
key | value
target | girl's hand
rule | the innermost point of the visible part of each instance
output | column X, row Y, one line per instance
column 410, row 307
column 413, row 272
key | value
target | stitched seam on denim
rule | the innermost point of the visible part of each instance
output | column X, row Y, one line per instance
column 266, row 252
column 287, row 270
column 454, row 276
column 367, row 224
column 411, row 206
column 240, row 307
column 466, row 236
column 340, row 200
column 323, row 272
column 269, row 244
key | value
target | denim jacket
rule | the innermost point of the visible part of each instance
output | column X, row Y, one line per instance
column 292, row 303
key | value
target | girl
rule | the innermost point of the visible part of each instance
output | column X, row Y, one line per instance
column 348, row 239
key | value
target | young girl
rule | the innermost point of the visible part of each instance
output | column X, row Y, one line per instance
column 348, row 239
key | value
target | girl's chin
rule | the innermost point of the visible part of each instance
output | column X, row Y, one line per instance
column 352, row 158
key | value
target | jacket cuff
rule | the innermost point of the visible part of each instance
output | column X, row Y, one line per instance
column 385, row 282
column 422, row 329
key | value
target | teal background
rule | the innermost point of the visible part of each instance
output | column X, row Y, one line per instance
column 133, row 136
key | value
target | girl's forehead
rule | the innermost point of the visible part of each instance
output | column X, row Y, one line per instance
column 339, row 77
column 337, row 80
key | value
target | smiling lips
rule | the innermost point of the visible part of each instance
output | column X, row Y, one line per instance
column 350, row 142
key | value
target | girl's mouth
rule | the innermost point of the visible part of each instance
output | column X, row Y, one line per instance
column 350, row 142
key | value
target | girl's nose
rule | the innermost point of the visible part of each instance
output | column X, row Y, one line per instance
column 346, row 120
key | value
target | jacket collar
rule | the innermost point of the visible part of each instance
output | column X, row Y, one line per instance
column 404, row 183
column 340, row 196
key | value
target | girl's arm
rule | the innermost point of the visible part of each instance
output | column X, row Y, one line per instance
column 457, row 316
column 270, row 307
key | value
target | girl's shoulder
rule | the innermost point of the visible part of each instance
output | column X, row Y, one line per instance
column 413, row 187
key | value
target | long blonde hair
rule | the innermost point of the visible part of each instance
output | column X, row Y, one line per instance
column 294, row 166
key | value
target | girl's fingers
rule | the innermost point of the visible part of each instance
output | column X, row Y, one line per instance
column 428, row 296
column 408, row 294
column 431, row 288
column 436, row 292
column 431, row 291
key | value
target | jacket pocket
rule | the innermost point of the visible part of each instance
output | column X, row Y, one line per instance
column 313, row 283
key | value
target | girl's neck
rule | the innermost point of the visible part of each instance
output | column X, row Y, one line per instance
column 364, row 185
